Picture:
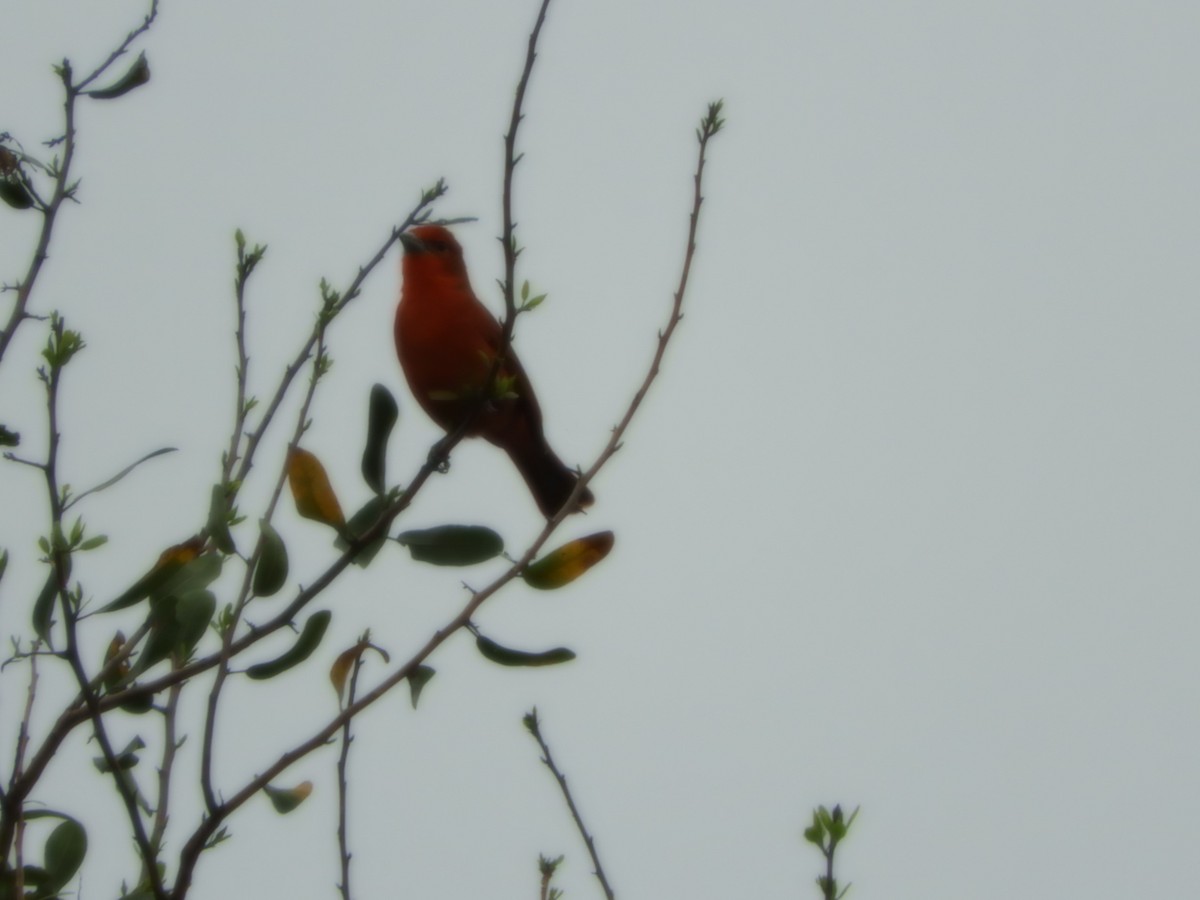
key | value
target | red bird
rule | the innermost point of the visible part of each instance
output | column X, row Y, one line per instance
column 446, row 340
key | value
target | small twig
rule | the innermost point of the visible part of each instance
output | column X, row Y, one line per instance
column 418, row 214
column 508, row 239
column 18, row 764
column 315, row 339
column 343, row 784
column 170, row 746
column 124, row 46
column 214, row 694
column 12, row 457
column 63, row 186
column 59, row 557
column 534, row 728
column 23, row 733
column 245, row 266
column 710, row 125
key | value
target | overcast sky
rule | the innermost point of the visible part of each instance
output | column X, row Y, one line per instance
column 909, row 521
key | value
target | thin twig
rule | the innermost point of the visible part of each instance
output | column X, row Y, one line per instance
column 214, row 694
column 420, row 213
column 534, row 727
column 18, row 763
column 123, row 47
column 245, row 265
column 62, row 183
column 710, row 125
column 60, row 558
column 316, row 339
column 508, row 239
column 171, row 745
column 23, row 732
column 344, row 786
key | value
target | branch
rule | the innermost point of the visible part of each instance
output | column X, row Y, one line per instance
column 170, row 745
column 60, row 558
column 508, row 239
column 62, row 179
column 124, row 46
column 332, row 304
column 16, row 812
column 710, row 125
column 534, row 728
column 73, row 717
column 419, row 213
column 343, row 785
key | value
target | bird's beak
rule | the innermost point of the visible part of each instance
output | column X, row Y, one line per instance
column 412, row 243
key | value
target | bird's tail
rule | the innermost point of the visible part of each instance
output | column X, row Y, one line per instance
column 550, row 480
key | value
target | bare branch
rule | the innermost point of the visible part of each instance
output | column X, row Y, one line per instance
column 343, row 782
column 534, row 727
column 63, row 186
column 419, row 213
column 122, row 47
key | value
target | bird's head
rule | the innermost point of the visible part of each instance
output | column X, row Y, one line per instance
column 431, row 250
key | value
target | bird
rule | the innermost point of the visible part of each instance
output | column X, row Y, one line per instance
column 447, row 342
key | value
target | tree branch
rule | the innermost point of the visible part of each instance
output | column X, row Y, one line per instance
column 534, row 728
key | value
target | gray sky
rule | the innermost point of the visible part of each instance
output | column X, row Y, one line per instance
column 908, row 521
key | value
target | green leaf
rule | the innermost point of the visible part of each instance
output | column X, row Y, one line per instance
column 63, row 855
column 382, row 415
column 137, row 75
column 9, row 438
column 506, row 656
column 3, row 563
column 452, row 545
column 218, row 520
column 126, row 759
column 193, row 576
column 176, row 626
column 568, row 562
column 272, row 570
column 417, row 681
column 34, row 876
column 15, row 194
column 43, row 607
column 310, row 637
column 193, row 613
column 360, row 523
column 286, row 799
column 139, row 705
column 93, row 542
column 170, row 562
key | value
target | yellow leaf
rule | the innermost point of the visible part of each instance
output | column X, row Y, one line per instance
column 169, row 562
column 311, row 490
column 340, row 670
column 568, row 562
column 286, row 799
